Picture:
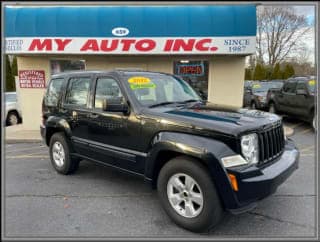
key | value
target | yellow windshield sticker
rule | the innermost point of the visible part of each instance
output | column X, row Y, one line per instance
column 139, row 82
column 312, row 82
column 256, row 86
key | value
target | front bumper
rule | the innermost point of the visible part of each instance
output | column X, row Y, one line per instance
column 256, row 183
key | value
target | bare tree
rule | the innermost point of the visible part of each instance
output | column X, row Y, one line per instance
column 279, row 32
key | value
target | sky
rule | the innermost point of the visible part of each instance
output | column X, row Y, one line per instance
column 309, row 39
column 309, row 12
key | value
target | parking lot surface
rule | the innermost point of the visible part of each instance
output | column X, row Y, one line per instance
column 98, row 201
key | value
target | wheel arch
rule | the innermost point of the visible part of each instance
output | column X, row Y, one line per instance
column 54, row 125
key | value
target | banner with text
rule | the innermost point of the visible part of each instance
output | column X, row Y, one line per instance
column 169, row 45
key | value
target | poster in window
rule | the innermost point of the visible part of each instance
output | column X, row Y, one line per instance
column 32, row 79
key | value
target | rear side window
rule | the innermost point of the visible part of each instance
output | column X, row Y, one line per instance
column 54, row 91
column 78, row 90
column 290, row 87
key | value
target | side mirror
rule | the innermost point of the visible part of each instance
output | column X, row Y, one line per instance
column 115, row 105
column 248, row 91
column 302, row 92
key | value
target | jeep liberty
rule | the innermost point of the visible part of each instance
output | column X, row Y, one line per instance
column 203, row 159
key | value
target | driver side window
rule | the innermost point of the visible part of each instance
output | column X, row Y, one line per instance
column 106, row 88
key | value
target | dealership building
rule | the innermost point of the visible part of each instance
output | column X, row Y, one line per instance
column 204, row 44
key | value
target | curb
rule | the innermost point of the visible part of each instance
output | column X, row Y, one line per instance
column 17, row 141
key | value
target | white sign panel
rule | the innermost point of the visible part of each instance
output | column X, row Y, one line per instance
column 163, row 45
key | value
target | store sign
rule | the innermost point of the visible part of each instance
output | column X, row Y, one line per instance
column 32, row 79
column 163, row 45
column 190, row 69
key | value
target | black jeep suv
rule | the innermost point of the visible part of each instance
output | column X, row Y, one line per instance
column 202, row 158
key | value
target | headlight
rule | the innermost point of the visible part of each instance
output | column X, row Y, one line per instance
column 284, row 134
column 262, row 98
column 250, row 148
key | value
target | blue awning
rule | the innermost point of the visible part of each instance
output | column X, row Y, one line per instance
column 141, row 21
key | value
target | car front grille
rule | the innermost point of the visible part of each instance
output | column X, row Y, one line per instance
column 271, row 142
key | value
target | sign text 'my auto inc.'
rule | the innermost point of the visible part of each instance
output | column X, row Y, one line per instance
column 161, row 45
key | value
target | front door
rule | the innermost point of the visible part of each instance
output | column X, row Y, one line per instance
column 287, row 96
column 113, row 136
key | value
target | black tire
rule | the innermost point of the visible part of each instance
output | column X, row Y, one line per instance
column 70, row 163
column 253, row 105
column 12, row 118
column 212, row 211
column 272, row 108
column 313, row 121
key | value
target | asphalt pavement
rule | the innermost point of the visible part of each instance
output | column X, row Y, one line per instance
column 100, row 202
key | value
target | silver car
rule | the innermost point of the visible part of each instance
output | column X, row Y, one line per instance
column 12, row 110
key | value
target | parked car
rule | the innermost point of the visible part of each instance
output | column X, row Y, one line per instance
column 296, row 98
column 12, row 110
column 255, row 94
column 202, row 158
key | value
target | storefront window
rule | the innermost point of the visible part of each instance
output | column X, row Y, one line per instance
column 195, row 73
column 58, row 66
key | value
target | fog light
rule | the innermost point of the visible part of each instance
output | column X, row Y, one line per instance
column 235, row 160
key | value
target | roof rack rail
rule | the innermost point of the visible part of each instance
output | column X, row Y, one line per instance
column 129, row 69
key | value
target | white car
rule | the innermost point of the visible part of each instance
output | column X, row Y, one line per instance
column 13, row 113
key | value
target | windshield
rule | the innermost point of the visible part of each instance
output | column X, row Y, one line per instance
column 10, row 97
column 155, row 89
column 265, row 86
column 312, row 85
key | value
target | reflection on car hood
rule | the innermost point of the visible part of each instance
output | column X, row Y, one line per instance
column 261, row 94
column 208, row 116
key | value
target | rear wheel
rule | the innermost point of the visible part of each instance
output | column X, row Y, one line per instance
column 60, row 154
column 12, row 118
column 188, row 194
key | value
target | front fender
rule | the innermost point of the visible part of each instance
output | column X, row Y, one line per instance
column 208, row 150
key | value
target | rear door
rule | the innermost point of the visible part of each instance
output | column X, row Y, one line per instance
column 75, row 109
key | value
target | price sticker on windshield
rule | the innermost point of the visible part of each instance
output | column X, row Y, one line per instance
column 312, row 82
column 256, row 86
column 140, row 82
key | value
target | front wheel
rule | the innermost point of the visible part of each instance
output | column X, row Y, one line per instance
column 188, row 194
column 314, row 125
column 253, row 105
column 272, row 108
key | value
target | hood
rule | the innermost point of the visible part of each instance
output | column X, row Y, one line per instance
column 261, row 94
column 211, row 117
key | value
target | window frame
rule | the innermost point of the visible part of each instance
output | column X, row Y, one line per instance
column 93, row 92
column 295, row 87
column 61, row 93
column 67, row 87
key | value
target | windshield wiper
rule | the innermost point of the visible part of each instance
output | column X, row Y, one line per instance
column 190, row 101
column 160, row 104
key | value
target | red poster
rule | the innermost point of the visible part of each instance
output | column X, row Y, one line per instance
column 32, row 79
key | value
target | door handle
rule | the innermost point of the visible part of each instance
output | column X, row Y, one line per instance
column 93, row 115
